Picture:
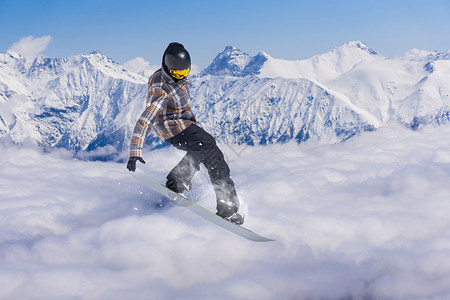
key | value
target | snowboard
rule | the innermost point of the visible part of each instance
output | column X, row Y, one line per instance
column 197, row 209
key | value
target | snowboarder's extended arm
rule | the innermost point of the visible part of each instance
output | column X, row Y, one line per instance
column 157, row 101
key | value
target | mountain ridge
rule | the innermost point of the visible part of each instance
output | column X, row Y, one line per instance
column 86, row 102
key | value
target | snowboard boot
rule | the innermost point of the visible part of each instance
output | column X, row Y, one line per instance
column 178, row 185
column 236, row 219
column 180, row 177
column 228, row 211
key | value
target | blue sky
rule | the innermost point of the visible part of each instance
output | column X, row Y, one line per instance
column 285, row 29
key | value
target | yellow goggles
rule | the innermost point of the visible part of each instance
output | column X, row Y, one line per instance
column 179, row 74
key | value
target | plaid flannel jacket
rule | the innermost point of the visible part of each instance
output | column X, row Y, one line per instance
column 168, row 111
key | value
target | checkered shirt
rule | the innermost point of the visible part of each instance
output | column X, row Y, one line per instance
column 168, row 111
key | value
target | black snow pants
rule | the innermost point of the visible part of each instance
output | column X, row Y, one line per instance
column 201, row 148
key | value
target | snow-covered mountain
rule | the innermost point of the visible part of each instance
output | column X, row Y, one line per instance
column 339, row 60
column 330, row 96
column 67, row 102
column 255, row 110
column 234, row 62
column 89, row 101
column 411, row 92
column 423, row 55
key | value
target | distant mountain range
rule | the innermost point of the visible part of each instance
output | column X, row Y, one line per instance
column 89, row 102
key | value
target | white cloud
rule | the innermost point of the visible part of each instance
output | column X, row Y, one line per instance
column 140, row 65
column 365, row 219
column 195, row 69
column 31, row 47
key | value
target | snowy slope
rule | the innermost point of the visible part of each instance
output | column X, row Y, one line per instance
column 411, row 92
column 339, row 60
column 66, row 102
column 409, row 89
column 423, row 55
column 321, row 67
column 253, row 110
column 230, row 62
column 88, row 101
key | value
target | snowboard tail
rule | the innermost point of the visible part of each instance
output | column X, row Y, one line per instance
column 197, row 209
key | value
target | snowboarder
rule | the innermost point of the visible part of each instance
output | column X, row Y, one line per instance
column 169, row 113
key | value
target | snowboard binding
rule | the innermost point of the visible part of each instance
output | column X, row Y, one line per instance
column 234, row 218
column 227, row 210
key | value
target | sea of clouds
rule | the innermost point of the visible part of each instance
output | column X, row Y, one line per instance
column 364, row 219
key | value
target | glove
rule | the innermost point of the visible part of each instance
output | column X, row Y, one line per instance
column 131, row 166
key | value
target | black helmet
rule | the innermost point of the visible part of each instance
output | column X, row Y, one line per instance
column 176, row 61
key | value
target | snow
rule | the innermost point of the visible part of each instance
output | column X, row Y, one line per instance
column 424, row 55
column 322, row 67
column 392, row 89
column 231, row 61
column 71, row 99
column 89, row 101
column 364, row 219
